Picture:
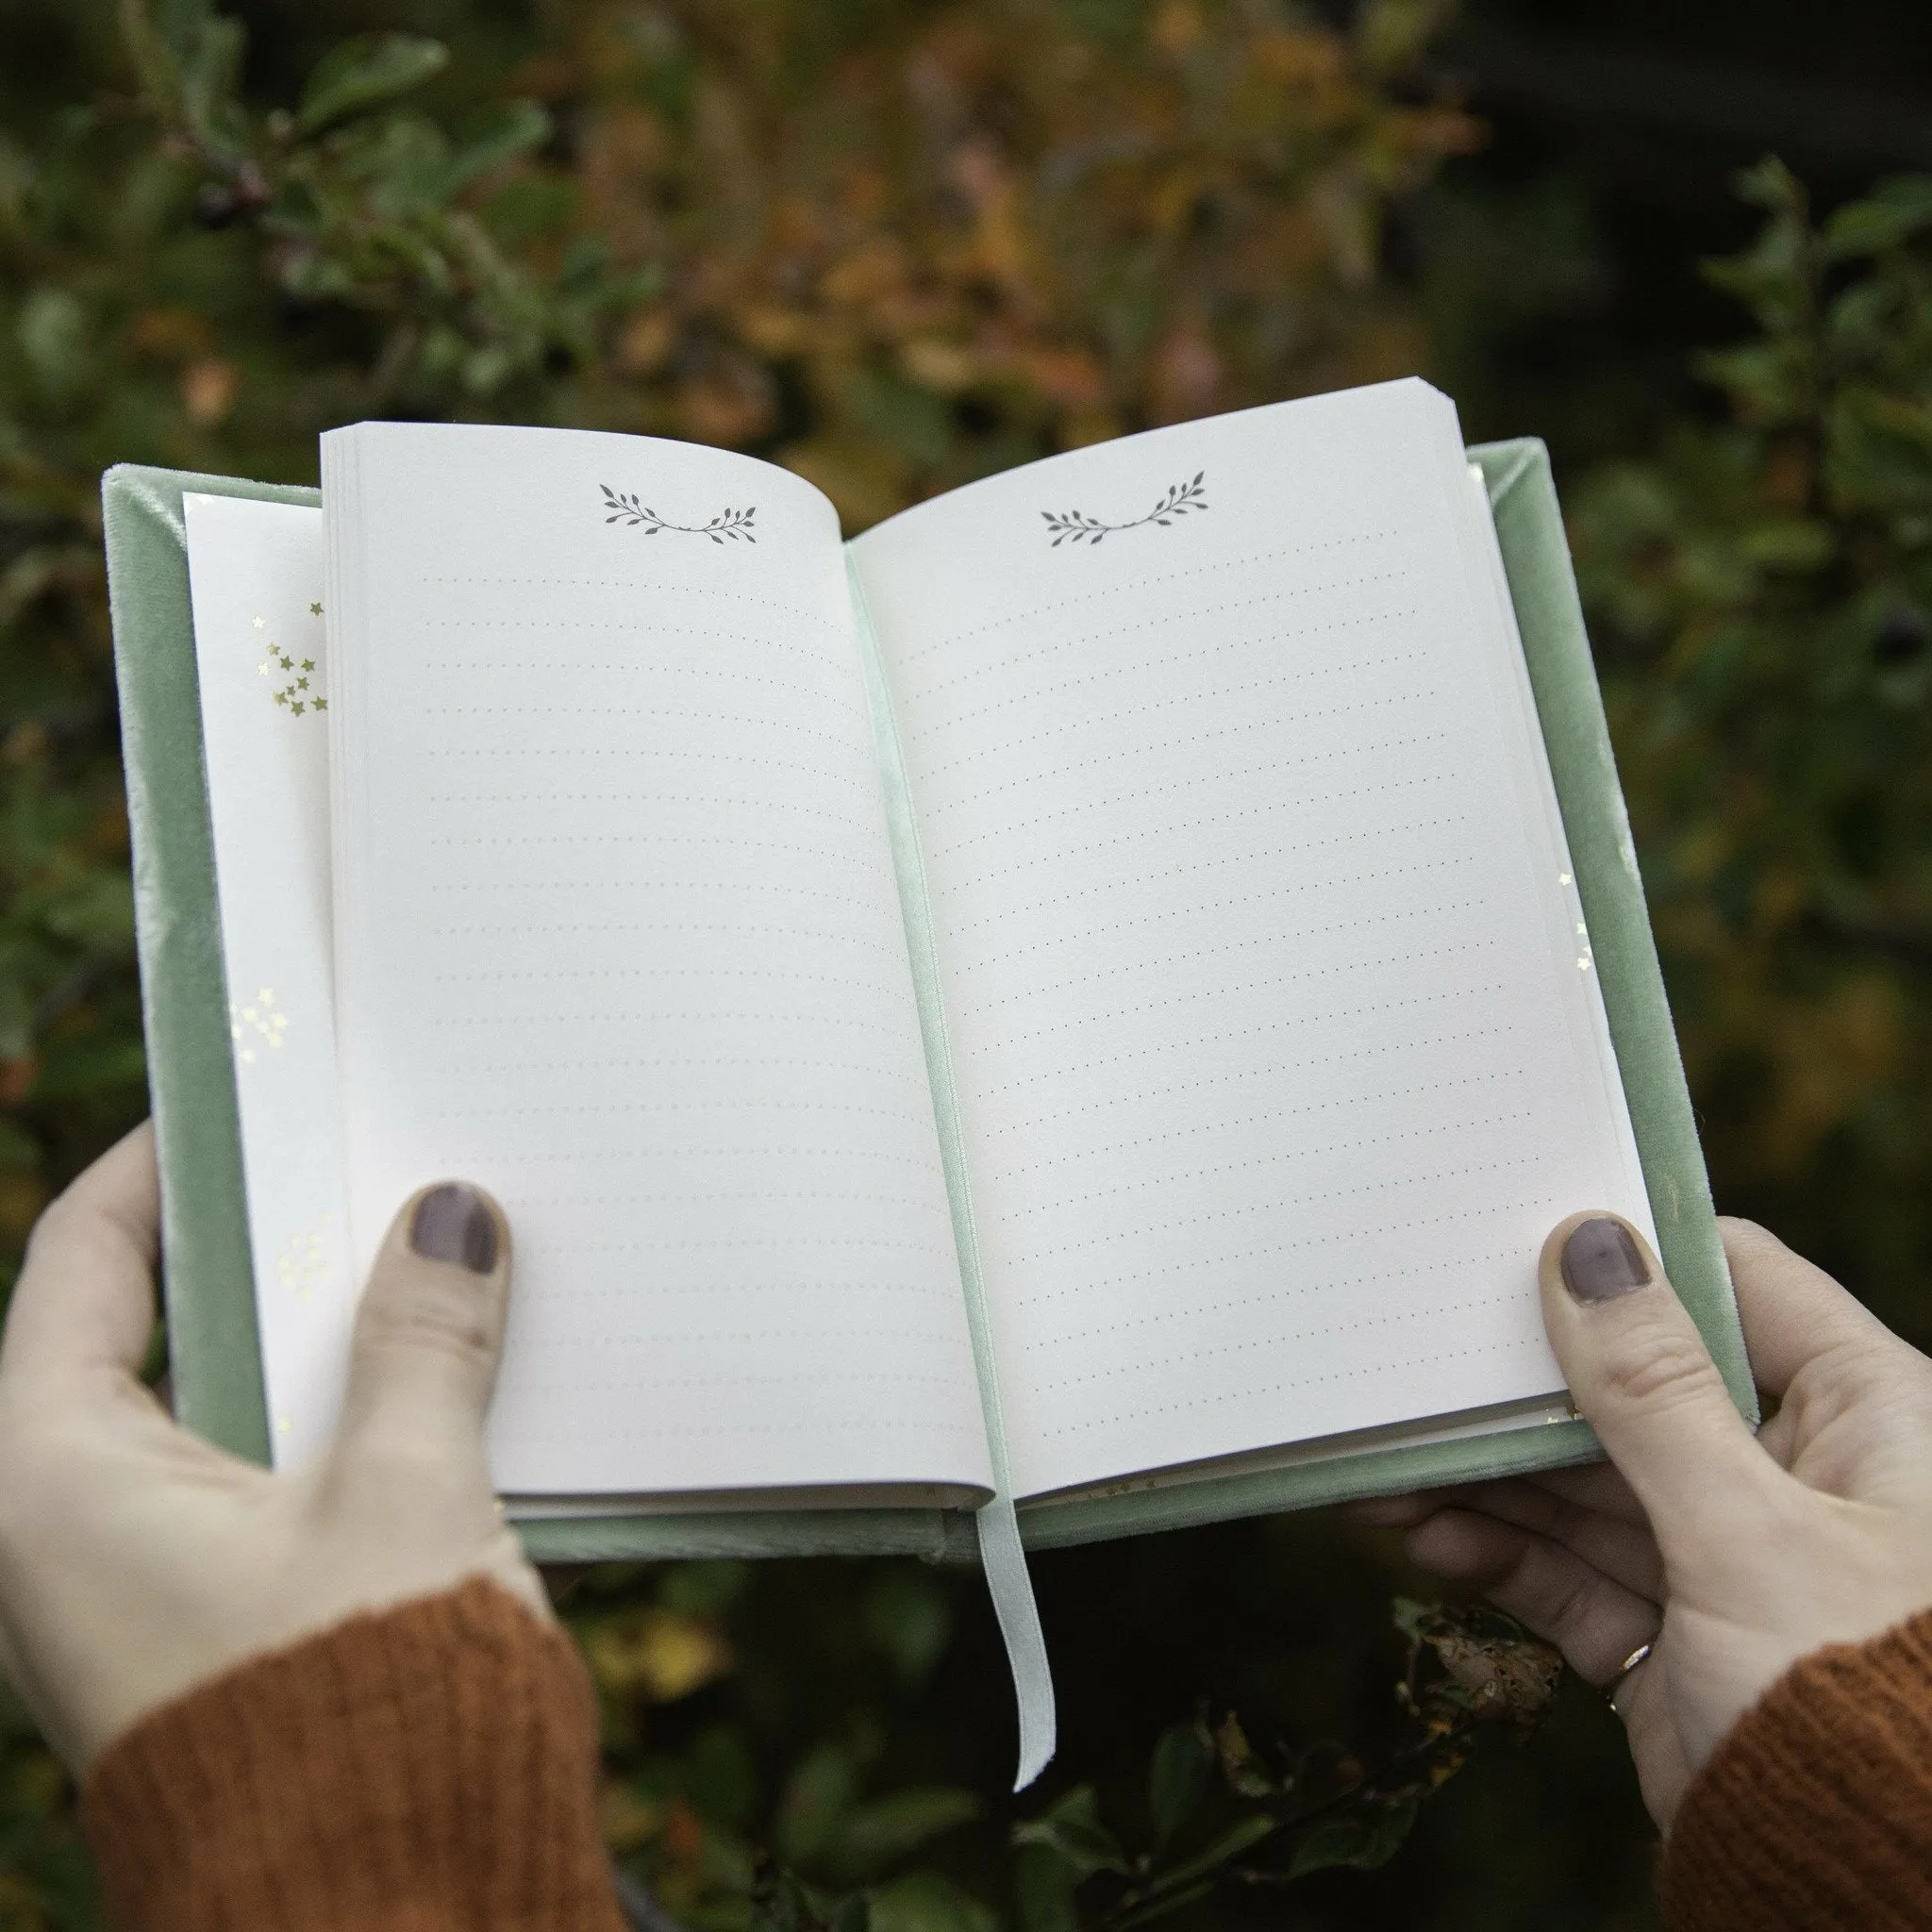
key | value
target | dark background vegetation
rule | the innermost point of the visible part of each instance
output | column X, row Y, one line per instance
column 896, row 245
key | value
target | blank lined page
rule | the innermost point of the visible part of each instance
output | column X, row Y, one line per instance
column 618, row 938
column 1272, row 1019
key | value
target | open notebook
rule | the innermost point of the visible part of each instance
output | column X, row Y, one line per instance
column 1092, row 993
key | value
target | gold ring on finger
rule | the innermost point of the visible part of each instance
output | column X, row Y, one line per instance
column 1641, row 1654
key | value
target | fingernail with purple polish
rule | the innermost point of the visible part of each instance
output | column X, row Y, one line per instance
column 1601, row 1261
column 454, row 1224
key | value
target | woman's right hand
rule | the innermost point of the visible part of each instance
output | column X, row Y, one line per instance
column 1731, row 1556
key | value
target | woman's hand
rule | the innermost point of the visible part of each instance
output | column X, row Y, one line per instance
column 1731, row 1556
column 136, row 1562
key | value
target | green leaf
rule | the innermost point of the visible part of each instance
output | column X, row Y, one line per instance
column 707, row 1587
column 1362, row 1840
column 908, row 1616
column 364, row 72
column 1073, row 1830
column 721, row 1778
column 189, row 59
column 511, row 130
column 1230, row 1844
column 1044, row 1890
column 1893, row 212
column 1163, row 1907
column 884, row 1830
column 925, row 1902
column 817, row 1797
column 17, row 1149
column 1177, row 1776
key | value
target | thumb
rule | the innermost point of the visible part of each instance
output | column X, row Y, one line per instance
column 1640, row 1372
column 429, row 1332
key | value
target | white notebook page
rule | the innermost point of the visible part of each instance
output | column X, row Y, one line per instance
column 1276, row 1043
column 618, row 937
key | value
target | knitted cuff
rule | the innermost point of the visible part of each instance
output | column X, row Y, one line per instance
column 1816, row 1810
column 430, row 1767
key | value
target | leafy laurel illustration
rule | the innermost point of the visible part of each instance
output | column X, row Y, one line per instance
column 1077, row 526
column 628, row 510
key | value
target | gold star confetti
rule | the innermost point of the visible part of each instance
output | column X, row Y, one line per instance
column 315, row 610
column 306, row 1263
column 259, row 623
column 261, row 1022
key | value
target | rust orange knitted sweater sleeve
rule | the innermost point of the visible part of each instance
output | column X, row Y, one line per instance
column 1816, row 1810
column 431, row 1768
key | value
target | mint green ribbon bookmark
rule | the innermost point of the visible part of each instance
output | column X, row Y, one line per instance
column 1000, row 1553
column 1004, row 1560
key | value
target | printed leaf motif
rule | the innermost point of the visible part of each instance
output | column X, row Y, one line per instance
column 727, row 525
column 1077, row 526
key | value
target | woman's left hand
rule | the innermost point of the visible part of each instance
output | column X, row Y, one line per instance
column 136, row 1560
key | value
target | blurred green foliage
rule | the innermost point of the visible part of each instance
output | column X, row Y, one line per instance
column 895, row 245
column 1760, row 592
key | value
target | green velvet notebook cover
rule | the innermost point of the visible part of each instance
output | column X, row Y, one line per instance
column 207, row 1279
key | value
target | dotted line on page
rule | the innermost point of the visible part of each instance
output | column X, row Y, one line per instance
column 781, row 807
column 913, row 1290
column 1040, row 693
column 637, row 586
column 550, row 1066
column 658, row 885
column 1262, row 1253
column 476, row 843
column 1192, row 910
column 1060, row 1203
column 1219, row 993
column 1252, row 1120
column 1276, row 940
column 1180, row 828
column 821, row 1153
column 696, row 1200
column 551, row 625
column 782, row 932
column 923, row 1425
column 1270, row 1296
column 1192, row 697
column 523, row 711
column 1139, row 587
column 1194, row 1042
column 1136, row 751
column 1253, row 1072
column 1282, row 1339
column 1140, row 1229
column 1142, row 1095
column 892, row 1377
column 1115, row 801
column 867, row 784
column 707, row 1336
column 468, row 666
column 883, row 1113
column 1142, row 1411
column 653, row 972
